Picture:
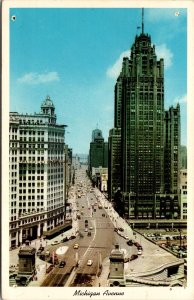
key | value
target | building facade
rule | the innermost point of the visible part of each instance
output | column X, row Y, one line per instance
column 36, row 173
column 183, row 193
column 114, row 162
column 172, row 150
column 150, row 137
column 183, row 163
column 98, row 153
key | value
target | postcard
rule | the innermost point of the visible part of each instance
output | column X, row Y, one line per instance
column 97, row 119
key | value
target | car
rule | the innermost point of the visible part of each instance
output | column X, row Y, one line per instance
column 91, row 227
column 64, row 240
column 133, row 256
column 38, row 253
column 139, row 252
column 89, row 233
column 49, row 269
column 55, row 243
column 121, row 229
column 41, row 248
column 130, row 243
column 72, row 237
column 126, row 237
column 86, row 229
column 82, row 206
column 62, row 264
column 90, row 262
column 115, row 229
column 76, row 246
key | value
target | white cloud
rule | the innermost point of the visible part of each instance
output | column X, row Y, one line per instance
column 163, row 52
column 36, row 78
column 115, row 69
column 180, row 99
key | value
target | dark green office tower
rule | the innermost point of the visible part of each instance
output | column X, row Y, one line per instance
column 139, row 102
column 98, row 153
column 114, row 161
column 172, row 150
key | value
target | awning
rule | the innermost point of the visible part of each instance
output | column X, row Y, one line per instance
column 57, row 229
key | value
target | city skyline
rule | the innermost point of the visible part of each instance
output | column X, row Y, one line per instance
column 77, row 63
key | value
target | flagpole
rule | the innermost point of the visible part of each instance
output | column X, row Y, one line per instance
column 142, row 20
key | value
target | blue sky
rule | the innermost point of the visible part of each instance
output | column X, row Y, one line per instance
column 74, row 56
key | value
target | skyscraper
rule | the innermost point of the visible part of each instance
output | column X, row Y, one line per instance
column 139, row 113
column 37, row 174
column 98, row 153
column 114, row 161
column 172, row 150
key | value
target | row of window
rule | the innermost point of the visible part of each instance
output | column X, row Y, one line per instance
column 24, row 204
column 31, row 132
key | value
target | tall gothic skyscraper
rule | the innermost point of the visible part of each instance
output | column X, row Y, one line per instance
column 139, row 112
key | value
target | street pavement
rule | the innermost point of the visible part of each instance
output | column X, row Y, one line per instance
column 153, row 256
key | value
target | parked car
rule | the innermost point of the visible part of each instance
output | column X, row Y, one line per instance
column 137, row 244
column 140, row 248
column 38, row 253
column 55, row 243
column 121, row 229
column 139, row 252
column 64, row 240
column 130, row 243
column 72, row 237
column 133, row 256
column 41, row 248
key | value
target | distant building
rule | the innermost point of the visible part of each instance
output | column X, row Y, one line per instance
column 100, row 177
column 183, row 193
column 36, row 174
column 96, row 134
column 114, row 163
column 98, row 153
column 172, row 150
column 183, row 158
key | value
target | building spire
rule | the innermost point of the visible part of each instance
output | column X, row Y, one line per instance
column 142, row 26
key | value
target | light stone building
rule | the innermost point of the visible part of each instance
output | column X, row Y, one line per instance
column 36, row 174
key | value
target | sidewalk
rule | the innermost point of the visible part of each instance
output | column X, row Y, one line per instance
column 40, row 264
